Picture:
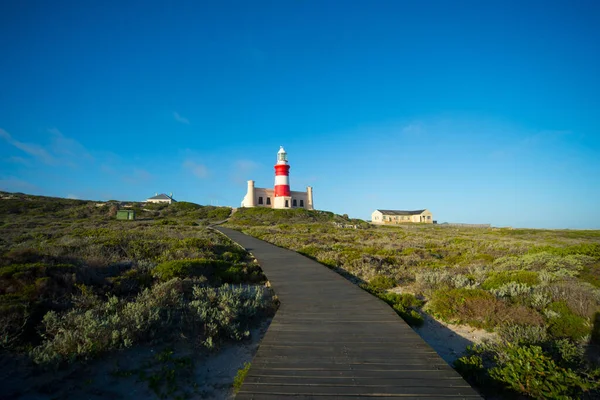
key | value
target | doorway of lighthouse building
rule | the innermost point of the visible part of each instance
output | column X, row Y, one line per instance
column 287, row 204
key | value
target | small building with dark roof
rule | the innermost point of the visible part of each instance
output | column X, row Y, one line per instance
column 392, row 217
column 162, row 198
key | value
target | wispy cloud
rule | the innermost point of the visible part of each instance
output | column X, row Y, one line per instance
column 198, row 170
column 138, row 175
column 242, row 170
column 543, row 137
column 31, row 149
column 13, row 184
column 529, row 143
column 180, row 118
column 66, row 147
column 62, row 150
column 17, row 160
column 72, row 197
column 414, row 129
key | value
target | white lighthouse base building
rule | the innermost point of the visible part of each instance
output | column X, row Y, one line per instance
column 263, row 197
column 280, row 196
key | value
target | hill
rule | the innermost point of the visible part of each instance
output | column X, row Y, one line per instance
column 77, row 284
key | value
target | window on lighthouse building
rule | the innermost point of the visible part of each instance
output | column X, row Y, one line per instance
column 260, row 200
column 301, row 203
column 294, row 204
column 268, row 201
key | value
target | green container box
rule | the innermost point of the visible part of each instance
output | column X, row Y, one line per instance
column 126, row 214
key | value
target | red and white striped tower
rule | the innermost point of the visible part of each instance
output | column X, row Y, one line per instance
column 282, row 181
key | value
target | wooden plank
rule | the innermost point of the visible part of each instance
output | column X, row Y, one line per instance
column 268, row 396
column 315, row 389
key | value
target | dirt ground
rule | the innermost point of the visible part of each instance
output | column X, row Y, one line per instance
column 448, row 340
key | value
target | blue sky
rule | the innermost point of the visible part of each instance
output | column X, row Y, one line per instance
column 480, row 111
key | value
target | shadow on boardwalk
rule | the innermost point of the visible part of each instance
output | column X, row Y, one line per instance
column 330, row 339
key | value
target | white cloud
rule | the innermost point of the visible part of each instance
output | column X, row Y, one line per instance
column 198, row 170
column 32, row 149
column 181, row 119
column 72, row 196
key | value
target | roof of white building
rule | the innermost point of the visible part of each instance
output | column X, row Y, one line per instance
column 161, row 196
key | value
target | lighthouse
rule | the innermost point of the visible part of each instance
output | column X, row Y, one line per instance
column 280, row 196
column 282, row 181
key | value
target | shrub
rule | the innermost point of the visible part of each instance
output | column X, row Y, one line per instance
column 113, row 324
column 96, row 326
column 226, row 312
column 571, row 354
column 471, row 367
column 530, row 371
column 403, row 303
column 479, row 308
column 238, row 381
column 382, row 282
column 511, row 290
column 567, row 324
column 412, row 317
column 499, row 279
column 433, row 279
column 582, row 298
column 568, row 265
column 522, row 334
column 461, row 281
column 188, row 268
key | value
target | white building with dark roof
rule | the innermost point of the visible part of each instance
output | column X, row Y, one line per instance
column 161, row 198
column 391, row 217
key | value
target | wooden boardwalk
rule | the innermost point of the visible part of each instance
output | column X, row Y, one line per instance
column 332, row 340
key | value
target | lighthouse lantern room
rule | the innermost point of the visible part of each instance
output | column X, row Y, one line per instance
column 280, row 196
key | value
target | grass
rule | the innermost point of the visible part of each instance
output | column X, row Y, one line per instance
column 521, row 283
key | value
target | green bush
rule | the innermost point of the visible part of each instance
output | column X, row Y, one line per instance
column 530, row 371
column 586, row 249
column 107, row 325
column 471, row 368
column 188, row 268
column 479, row 308
column 498, row 279
column 95, row 326
column 382, row 282
column 403, row 303
column 522, row 334
column 226, row 312
column 566, row 324
column 238, row 381
column 412, row 317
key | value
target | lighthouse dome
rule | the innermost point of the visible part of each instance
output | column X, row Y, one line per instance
column 281, row 156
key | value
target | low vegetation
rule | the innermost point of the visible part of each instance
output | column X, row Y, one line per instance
column 539, row 290
column 76, row 283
